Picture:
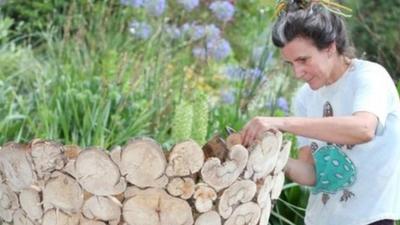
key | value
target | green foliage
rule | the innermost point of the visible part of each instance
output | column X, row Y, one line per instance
column 5, row 24
column 34, row 16
column 200, row 118
column 398, row 87
column 375, row 32
column 190, row 120
column 182, row 122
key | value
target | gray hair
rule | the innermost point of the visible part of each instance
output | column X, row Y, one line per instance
column 315, row 22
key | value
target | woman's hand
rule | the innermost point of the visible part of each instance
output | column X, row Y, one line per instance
column 257, row 126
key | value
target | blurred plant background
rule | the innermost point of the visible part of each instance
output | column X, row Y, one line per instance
column 99, row 72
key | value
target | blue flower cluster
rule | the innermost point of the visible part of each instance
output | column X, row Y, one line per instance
column 280, row 103
column 140, row 30
column 212, row 45
column 209, row 43
column 133, row 3
column 228, row 96
column 218, row 48
column 188, row 5
column 239, row 73
column 222, row 10
column 153, row 7
column 173, row 31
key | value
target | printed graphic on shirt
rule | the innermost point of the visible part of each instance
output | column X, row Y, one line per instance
column 334, row 169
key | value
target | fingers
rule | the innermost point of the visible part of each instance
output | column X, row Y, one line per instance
column 249, row 133
column 254, row 128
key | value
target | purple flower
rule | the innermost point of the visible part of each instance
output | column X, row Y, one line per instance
column 155, row 7
column 189, row 5
column 185, row 28
column 234, row 72
column 140, row 30
column 228, row 97
column 254, row 74
column 196, row 32
column 219, row 48
column 282, row 104
column 173, row 32
column 133, row 3
column 222, row 10
column 239, row 73
column 199, row 52
column 212, row 32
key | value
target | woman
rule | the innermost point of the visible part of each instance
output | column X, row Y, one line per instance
column 347, row 119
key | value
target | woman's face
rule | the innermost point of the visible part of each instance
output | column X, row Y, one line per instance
column 309, row 64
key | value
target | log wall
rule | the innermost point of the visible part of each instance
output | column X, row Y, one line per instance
column 222, row 182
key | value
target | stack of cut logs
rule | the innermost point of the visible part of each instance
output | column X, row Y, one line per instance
column 47, row 183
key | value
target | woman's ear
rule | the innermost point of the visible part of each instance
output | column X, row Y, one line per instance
column 331, row 49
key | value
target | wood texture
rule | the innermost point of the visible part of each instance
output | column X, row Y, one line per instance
column 44, row 182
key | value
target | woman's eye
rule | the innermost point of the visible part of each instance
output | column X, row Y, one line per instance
column 303, row 60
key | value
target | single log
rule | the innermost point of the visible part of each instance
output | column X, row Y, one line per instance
column 71, row 151
column 245, row 214
column 239, row 192
column 216, row 147
column 204, row 196
column 69, row 168
column 263, row 156
column 56, row 217
column 265, row 213
column 8, row 202
column 116, row 154
column 181, row 187
column 233, row 139
column 264, row 193
column 16, row 166
column 102, row 208
column 143, row 163
column 221, row 176
column 30, row 201
column 84, row 221
column 154, row 206
column 283, row 157
column 20, row 218
column 62, row 192
column 279, row 181
column 131, row 191
column 208, row 218
column 186, row 158
column 47, row 157
column 97, row 173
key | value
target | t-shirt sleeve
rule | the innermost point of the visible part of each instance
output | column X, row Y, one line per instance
column 300, row 110
column 372, row 93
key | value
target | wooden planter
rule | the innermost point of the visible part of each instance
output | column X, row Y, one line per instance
column 140, row 184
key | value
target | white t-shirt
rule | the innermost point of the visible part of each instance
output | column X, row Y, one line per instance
column 371, row 179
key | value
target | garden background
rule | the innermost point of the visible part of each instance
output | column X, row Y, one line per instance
column 97, row 73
